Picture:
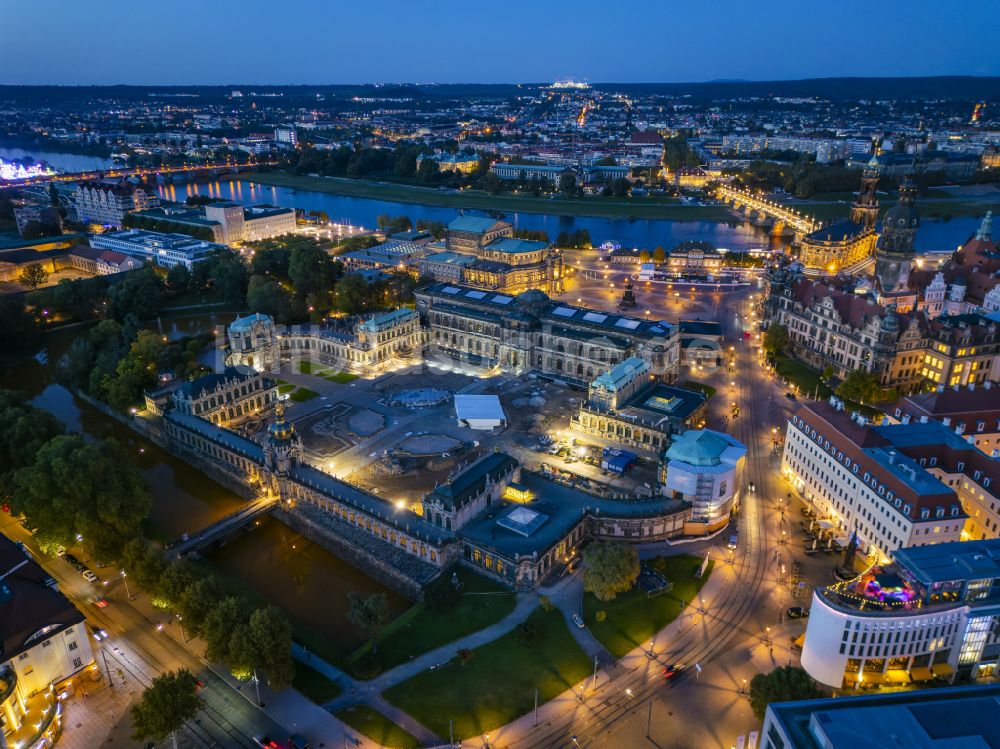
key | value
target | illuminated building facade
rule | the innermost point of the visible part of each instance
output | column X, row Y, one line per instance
column 931, row 614
column 861, row 479
column 44, row 640
column 530, row 332
column 845, row 244
column 227, row 398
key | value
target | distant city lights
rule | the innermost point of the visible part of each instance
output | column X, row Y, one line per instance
column 12, row 171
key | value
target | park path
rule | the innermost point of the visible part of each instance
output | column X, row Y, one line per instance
column 362, row 690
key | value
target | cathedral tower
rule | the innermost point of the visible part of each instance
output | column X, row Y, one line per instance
column 864, row 211
column 894, row 251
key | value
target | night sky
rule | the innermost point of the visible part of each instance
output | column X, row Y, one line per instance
column 501, row 41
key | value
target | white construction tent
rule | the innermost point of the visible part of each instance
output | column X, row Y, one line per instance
column 479, row 411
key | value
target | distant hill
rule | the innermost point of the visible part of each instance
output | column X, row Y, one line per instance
column 953, row 88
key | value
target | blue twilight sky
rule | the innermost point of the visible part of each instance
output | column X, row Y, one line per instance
column 489, row 41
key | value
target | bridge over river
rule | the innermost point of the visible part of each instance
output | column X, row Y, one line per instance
column 782, row 218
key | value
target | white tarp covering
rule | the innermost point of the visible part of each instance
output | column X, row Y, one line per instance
column 479, row 411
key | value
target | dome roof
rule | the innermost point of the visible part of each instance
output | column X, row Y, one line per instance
column 280, row 430
column 901, row 216
column 533, row 298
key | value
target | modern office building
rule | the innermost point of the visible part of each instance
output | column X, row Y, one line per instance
column 966, row 716
column 932, row 613
column 166, row 250
column 228, row 222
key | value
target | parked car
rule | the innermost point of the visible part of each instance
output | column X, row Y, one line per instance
column 796, row 612
column 578, row 621
column 89, row 576
column 791, row 396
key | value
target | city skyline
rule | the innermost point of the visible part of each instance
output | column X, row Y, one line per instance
column 732, row 41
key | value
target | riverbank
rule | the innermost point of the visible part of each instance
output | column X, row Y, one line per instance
column 639, row 208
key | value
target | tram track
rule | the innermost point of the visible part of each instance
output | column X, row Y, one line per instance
column 628, row 692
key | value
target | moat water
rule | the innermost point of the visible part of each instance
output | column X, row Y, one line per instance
column 300, row 576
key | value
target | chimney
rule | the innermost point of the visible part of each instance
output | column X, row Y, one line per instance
column 906, row 419
column 892, row 457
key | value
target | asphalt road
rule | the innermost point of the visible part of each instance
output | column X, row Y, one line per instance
column 751, row 600
column 141, row 651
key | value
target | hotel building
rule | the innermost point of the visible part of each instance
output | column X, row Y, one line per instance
column 859, row 479
column 931, row 614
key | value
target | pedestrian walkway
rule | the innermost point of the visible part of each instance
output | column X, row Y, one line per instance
column 526, row 603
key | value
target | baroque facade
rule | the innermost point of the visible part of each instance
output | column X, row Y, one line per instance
column 531, row 332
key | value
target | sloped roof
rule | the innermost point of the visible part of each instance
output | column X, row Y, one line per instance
column 473, row 224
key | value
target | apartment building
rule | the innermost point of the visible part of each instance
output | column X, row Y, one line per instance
column 107, row 205
column 166, row 250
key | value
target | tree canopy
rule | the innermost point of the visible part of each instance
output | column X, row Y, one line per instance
column 90, row 489
column 166, row 704
column 369, row 613
column 610, row 568
column 775, row 339
column 785, row 683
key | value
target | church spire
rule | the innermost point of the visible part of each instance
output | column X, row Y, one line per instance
column 985, row 232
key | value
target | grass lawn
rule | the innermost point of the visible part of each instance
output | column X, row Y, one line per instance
column 377, row 727
column 799, row 374
column 303, row 394
column 302, row 633
column 707, row 390
column 644, row 207
column 341, row 378
column 498, row 681
column 418, row 630
column 305, row 367
column 632, row 618
column 286, row 387
column 313, row 684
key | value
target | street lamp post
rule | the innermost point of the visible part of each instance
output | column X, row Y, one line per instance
column 125, row 579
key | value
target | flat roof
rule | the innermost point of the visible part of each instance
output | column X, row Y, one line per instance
column 955, row 560
column 965, row 717
column 563, row 507
column 479, row 408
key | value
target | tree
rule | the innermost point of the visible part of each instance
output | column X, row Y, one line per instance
column 271, row 638
column 267, row 296
column 230, row 277
column 860, row 386
column 785, row 683
column 179, row 279
column 827, row 372
column 166, row 704
column 24, row 429
column 369, row 614
column 33, row 276
column 218, row 628
column 83, row 488
column 644, row 256
column 567, row 184
column 311, row 271
column 139, row 293
column 659, row 256
column 775, row 339
column 610, row 568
